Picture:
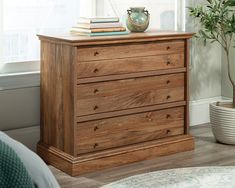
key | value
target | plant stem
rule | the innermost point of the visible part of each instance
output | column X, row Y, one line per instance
column 233, row 97
column 229, row 74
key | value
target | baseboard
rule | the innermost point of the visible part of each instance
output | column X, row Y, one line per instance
column 199, row 110
column 27, row 136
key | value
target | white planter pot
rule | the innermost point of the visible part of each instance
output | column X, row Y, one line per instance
column 223, row 123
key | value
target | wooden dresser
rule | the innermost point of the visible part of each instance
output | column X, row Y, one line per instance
column 109, row 101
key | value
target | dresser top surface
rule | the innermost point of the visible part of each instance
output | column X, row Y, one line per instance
column 156, row 35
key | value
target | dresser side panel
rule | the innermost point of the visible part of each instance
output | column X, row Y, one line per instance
column 57, row 96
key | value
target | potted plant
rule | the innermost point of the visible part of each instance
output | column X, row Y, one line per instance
column 217, row 20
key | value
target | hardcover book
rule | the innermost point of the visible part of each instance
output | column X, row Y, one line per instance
column 99, row 25
column 97, row 20
column 101, row 34
column 98, row 30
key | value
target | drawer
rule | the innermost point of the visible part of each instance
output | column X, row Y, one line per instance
column 129, row 65
column 130, row 93
column 125, row 130
column 130, row 50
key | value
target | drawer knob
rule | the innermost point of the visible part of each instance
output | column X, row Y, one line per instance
column 148, row 116
column 96, row 70
column 168, row 81
column 95, row 145
column 96, row 53
column 95, row 107
column 96, row 90
column 168, row 47
column 96, row 128
column 168, row 97
column 168, row 131
column 149, row 119
column 168, row 62
column 168, row 116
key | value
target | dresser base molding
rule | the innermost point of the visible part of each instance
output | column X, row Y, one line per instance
column 91, row 162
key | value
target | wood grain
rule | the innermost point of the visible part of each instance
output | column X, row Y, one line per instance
column 131, row 75
column 130, row 111
column 150, row 36
column 187, row 97
column 129, row 65
column 131, row 50
column 108, row 101
column 115, row 157
column 131, row 93
column 207, row 153
column 160, row 149
column 125, row 130
column 57, row 100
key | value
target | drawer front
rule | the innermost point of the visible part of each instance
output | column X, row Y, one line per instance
column 129, row 65
column 120, row 131
column 130, row 93
column 129, row 50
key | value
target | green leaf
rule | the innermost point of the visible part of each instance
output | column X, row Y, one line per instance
column 217, row 18
column 203, row 33
column 230, row 3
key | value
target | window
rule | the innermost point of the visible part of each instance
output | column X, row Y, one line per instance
column 21, row 20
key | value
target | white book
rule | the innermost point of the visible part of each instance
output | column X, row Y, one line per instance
column 98, row 20
column 99, row 25
column 80, row 30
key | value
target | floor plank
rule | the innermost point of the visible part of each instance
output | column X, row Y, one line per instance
column 207, row 153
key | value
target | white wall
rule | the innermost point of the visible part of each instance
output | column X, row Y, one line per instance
column 19, row 114
column 19, row 108
column 205, row 72
column 205, row 78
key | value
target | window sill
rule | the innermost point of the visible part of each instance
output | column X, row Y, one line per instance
column 19, row 80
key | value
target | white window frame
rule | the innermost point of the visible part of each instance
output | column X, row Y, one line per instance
column 180, row 15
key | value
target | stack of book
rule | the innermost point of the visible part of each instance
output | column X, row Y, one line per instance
column 98, row 27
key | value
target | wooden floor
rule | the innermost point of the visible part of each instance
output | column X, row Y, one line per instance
column 207, row 153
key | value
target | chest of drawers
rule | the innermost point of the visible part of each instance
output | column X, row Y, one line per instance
column 109, row 101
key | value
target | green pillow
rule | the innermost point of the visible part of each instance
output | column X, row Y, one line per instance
column 13, row 174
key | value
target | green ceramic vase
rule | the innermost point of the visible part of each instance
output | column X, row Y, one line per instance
column 137, row 19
